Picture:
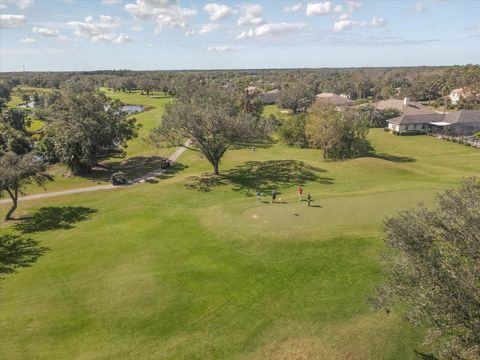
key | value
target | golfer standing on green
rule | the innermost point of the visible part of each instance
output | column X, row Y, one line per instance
column 300, row 192
column 274, row 196
column 309, row 199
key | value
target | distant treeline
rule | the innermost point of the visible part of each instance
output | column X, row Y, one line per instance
column 418, row 83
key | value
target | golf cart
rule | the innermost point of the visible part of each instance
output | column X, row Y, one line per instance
column 119, row 178
column 165, row 164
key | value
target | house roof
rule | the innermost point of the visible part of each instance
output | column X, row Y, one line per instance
column 334, row 99
column 463, row 117
column 412, row 108
column 416, row 119
column 274, row 91
column 457, row 117
column 271, row 96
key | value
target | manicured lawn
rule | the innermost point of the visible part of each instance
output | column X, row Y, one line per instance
column 35, row 125
column 191, row 267
column 15, row 101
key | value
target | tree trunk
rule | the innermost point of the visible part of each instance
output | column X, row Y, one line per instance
column 14, row 197
column 215, row 168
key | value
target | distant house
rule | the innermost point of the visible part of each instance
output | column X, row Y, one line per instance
column 412, row 124
column 270, row 97
column 405, row 106
column 458, row 123
column 333, row 99
column 456, row 95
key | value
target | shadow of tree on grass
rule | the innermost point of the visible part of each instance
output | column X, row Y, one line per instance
column 394, row 158
column 423, row 356
column 134, row 168
column 16, row 251
column 170, row 172
column 263, row 176
column 53, row 218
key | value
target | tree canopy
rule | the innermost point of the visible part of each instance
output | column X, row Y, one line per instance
column 297, row 96
column 432, row 268
column 85, row 126
column 16, row 171
column 292, row 131
column 340, row 134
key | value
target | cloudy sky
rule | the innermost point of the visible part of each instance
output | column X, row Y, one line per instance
column 171, row 34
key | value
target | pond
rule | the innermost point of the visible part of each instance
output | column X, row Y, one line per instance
column 132, row 109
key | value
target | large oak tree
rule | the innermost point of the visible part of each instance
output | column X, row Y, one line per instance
column 16, row 171
column 214, row 118
column 85, row 126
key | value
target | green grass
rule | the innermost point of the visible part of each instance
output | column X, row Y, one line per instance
column 191, row 267
column 35, row 125
column 15, row 101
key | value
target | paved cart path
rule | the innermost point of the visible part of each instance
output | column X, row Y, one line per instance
column 141, row 179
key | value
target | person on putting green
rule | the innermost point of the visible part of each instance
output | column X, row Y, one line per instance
column 259, row 196
column 300, row 192
column 274, row 196
column 309, row 199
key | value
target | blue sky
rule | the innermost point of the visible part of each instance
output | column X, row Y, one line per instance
column 170, row 34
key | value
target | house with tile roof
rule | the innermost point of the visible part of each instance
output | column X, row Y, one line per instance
column 458, row 123
column 405, row 106
column 270, row 97
column 413, row 124
column 333, row 99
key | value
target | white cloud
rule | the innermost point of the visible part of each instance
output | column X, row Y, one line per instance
column 22, row 4
column 11, row 21
column 190, row 32
column 48, row 32
column 223, row 48
column 344, row 22
column 321, row 8
column 293, row 8
column 111, row 2
column 377, row 22
column 27, row 41
column 419, row 8
column 208, row 28
column 146, row 9
column 166, row 13
column 175, row 17
column 99, row 31
column 326, row 7
column 252, row 15
column 353, row 6
column 270, row 29
column 218, row 11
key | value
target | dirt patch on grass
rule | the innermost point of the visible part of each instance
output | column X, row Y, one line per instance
column 302, row 349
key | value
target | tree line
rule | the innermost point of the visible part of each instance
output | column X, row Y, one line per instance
column 430, row 84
